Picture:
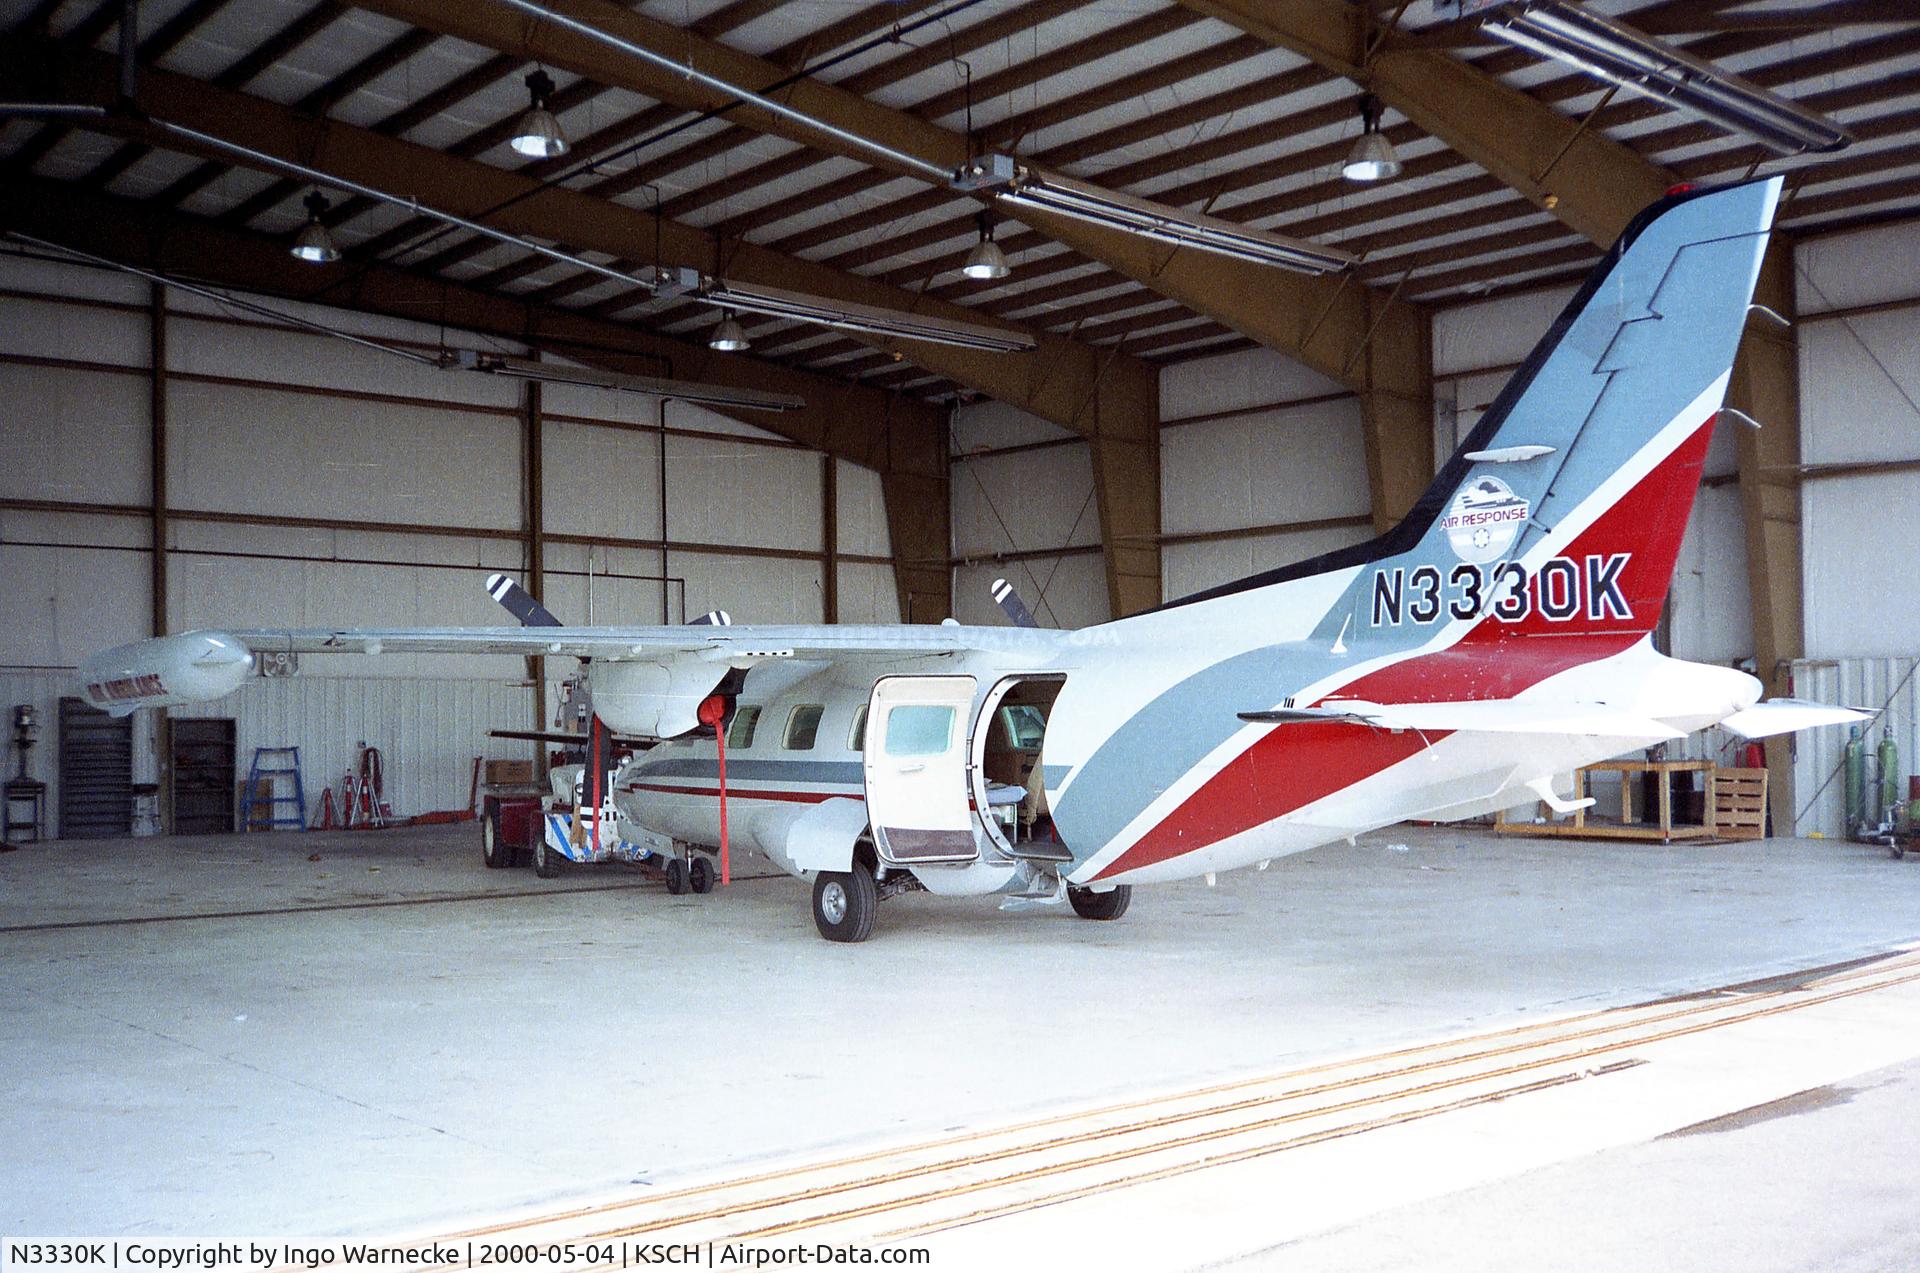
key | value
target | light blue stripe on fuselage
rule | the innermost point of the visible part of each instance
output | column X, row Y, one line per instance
column 837, row 772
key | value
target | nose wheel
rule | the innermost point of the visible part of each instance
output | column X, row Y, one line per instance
column 694, row 875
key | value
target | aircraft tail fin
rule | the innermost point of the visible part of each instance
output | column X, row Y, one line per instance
column 1563, row 511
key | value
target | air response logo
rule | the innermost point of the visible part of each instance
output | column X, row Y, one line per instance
column 1483, row 519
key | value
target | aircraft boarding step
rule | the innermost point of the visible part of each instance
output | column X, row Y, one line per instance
column 273, row 800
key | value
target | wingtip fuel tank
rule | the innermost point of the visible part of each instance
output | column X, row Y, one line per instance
column 189, row 667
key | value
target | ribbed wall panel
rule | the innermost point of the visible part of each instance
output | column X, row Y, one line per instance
column 1885, row 683
column 428, row 731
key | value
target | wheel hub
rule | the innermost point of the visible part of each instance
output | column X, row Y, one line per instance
column 833, row 902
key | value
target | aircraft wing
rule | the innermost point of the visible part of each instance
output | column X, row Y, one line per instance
column 667, row 670
column 736, row 644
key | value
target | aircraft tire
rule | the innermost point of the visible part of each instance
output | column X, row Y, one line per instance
column 1111, row 904
column 700, row 875
column 493, row 853
column 844, row 903
column 677, row 876
column 546, row 863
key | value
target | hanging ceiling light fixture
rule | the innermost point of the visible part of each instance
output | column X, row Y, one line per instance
column 538, row 135
column 1022, row 185
column 728, row 336
column 986, row 261
column 1618, row 54
column 1373, row 157
column 314, row 243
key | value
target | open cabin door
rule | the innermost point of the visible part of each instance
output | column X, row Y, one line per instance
column 916, row 767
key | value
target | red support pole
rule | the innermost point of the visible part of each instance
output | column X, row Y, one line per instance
column 713, row 711
column 726, row 864
column 599, row 766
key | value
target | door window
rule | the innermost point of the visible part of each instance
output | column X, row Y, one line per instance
column 919, row 729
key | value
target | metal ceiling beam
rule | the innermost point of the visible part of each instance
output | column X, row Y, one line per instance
column 1054, row 381
column 902, row 437
column 1008, row 132
column 1213, row 186
column 1317, row 320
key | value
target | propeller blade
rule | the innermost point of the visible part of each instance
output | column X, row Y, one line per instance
column 520, row 603
column 712, row 618
column 1014, row 608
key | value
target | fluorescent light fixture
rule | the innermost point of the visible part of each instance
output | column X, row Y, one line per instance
column 50, row 110
column 777, row 302
column 314, row 243
column 1618, row 54
column 986, row 261
column 728, row 336
column 538, row 134
column 588, row 377
column 1021, row 186
column 1373, row 157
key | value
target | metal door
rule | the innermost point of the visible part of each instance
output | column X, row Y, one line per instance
column 916, row 768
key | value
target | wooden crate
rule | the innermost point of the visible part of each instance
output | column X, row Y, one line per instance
column 509, row 772
column 1737, row 804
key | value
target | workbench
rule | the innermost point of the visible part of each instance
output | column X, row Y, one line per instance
column 1736, row 805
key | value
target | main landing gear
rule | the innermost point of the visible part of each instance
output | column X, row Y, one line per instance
column 844, row 903
column 1111, row 904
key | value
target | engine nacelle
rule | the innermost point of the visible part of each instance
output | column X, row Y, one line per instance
column 190, row 667
column 652, row 700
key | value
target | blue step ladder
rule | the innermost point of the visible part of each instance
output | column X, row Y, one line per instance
column 274, row 800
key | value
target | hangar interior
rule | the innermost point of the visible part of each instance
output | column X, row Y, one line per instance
column 197, row 446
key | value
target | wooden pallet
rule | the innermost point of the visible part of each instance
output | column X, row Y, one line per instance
column 1738, row 804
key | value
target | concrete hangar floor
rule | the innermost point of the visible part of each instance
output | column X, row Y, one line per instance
column 1435, row 1050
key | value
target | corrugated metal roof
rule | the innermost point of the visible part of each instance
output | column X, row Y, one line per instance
column 1142, row 95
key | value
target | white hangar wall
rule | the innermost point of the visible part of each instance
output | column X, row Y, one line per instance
column 1237, row 433
column 313, row 482
column 1859, row 300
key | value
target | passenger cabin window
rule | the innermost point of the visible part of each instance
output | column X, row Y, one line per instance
column 857, row 736
column 740, row 736
column 802, row 725
column 918, row 729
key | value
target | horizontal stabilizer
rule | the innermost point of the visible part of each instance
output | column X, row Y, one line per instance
column 1321, row 715
column 1784, row 715
column 1496, row 716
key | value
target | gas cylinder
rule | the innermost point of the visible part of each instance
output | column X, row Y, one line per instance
column 1889, row 775
column 1856, row 780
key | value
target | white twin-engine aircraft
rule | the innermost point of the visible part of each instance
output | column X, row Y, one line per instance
column 1497, row 637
